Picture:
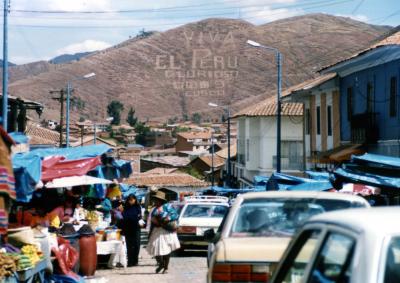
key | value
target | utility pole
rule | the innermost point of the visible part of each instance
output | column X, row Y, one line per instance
column 229, row 148
column 5, row 65
column 279, row 110
column 61, row 100
column 212, row 160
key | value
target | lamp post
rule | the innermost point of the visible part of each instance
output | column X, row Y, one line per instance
column 212, row 160
column 5, row 65
column 228, row 161
column 69, row 90
column 278, row 57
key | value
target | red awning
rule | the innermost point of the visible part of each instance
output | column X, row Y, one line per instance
column 57, row 167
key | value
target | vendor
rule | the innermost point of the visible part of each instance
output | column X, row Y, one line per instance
column 105, row 207
column 41, row 218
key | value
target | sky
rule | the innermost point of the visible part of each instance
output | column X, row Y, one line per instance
column 43, row 29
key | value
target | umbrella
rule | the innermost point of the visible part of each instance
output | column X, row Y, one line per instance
column 76, row 181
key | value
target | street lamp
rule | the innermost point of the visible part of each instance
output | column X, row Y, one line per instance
column 228, row 161
column 69, row 90
column 278, row 56
column 109, row 119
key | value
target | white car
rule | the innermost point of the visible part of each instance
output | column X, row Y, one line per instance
column 198, row 215
column 356, row 245
column 259, row 227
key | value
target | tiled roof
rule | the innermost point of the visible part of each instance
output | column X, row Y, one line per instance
column 175, row 161
column 269, row 108
column 195, row 135
column 224, row 152
column 160, row 170
column 309, row 84
column 166, row 180
column 218, row 161
column 393, row 39
column 87, row 139
column 40, row 135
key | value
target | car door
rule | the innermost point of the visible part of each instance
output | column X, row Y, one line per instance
column 323, row 255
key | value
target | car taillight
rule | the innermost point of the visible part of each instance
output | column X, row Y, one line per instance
column 241, row 273
column 187, row 230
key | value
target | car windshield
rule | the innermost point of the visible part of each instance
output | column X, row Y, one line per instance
column 279, row 217
column 205, row 210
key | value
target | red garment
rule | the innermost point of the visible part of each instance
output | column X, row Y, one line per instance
column 57, row 167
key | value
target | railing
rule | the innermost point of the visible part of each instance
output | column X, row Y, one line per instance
column 290, row 162
column 364, row 128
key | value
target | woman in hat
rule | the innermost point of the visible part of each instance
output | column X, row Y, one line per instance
column 131, row 218
column 163, row 238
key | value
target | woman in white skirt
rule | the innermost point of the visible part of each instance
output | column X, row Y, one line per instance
column 163, row 238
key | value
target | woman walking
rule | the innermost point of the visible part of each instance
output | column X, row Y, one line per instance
column 132, row 214
column 163, row 238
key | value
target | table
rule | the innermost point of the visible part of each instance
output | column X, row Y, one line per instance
column 35, row 274
column 116, row 250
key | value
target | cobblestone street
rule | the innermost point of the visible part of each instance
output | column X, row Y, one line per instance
column 190, row 267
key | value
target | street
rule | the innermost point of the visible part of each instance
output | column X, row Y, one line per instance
column 188, row 267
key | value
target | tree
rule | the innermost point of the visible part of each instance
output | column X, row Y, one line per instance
column 196, row 118
column 131, row 119
column 141, row 133
column 114, row 110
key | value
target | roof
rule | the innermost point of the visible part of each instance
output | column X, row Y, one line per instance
column 309, row 84
column 269, row 107
column 166, row 180
column 87, row 139
column 224, row 152
column 175, row 161
column 160, row 170
column 365, row 219
column 195, row 135
column 393, row 39
column 207, row 159
column 40, row 135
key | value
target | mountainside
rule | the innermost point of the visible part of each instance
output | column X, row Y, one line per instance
column 66, row 58
column 178, row 72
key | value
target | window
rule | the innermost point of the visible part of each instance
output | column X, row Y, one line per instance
column 308, row 122
column 333, row 263
column 329, row 113
column 393, row 97
column 349, row 103
column 301, row 253
column 370, row 97
column 392, row 265
column 318, row 120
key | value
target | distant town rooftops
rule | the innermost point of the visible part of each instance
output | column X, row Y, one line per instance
column 208, row 160
column 195, row 135
column 269, row 108
column 224, row 152
column 175, row 161
column 41, row 136
column 166, row 180
column 160, row 170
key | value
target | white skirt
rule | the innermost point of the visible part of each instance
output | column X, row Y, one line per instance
column 162, row 242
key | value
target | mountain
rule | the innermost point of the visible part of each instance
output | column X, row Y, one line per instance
column 67, row 58
column 178, row 72
column 9, row 63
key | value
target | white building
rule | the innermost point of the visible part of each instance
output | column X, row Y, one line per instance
column 256, row 141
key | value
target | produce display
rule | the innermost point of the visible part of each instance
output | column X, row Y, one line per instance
column 32, row 252
column 7, row 265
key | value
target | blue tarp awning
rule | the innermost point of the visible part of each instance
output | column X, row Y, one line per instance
column 71, row 153
column 377, row 159
column 27, row 173
column 19, row 138
column 367, row 178
column 312, row 186
column 318, row 175
column 260, row 180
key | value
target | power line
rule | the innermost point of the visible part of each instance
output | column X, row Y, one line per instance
column 329, row 3
column 357, row 7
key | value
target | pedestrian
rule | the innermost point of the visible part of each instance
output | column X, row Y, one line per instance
column 163, row 238
column 131, row 222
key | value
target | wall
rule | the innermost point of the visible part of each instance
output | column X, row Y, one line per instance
column 389, row 127
column 183, row 145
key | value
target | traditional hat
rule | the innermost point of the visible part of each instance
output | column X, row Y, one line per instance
column 160, row 195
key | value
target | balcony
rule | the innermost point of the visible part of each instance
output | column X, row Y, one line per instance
column 290, row 162
column 364, row 128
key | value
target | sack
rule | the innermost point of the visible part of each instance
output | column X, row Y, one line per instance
column 171, row 226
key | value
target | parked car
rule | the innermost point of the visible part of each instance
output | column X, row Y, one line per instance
column 356, row 245
column 259, row 227
column 199, row 214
